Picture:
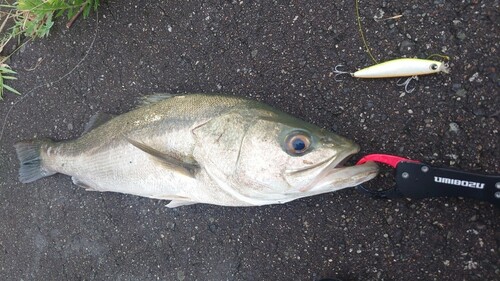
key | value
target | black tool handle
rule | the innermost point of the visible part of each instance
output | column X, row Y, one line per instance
column 418, row 180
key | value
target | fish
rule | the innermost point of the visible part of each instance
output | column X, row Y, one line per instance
column 200, row 148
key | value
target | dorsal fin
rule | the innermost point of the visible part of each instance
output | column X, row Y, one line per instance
column 97, row 120
column 154, row 98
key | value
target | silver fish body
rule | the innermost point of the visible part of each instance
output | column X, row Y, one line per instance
column 198, row 148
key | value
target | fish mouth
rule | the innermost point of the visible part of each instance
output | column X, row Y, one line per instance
column 345, row 176
column 334, row 175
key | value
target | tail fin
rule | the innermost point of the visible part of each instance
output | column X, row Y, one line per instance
column 28, row 153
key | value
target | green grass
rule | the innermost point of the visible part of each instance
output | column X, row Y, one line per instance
column 34, row 19
column 6, row 74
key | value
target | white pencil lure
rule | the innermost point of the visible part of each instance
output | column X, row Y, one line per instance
column 405, row 67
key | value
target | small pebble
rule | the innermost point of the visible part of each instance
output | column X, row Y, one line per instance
column 406, row 45
column 180, row 275
column 461, row 93
column 389, row 220
column 171, row 225
column 474, row 77
column 478, row 111
column 212, row 227
column 456, row 87
column 454, row 127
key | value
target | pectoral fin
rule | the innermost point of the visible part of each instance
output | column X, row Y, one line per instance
column 170, row 162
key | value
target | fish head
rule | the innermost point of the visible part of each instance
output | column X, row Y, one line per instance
column 270, row 157
column 290, row 158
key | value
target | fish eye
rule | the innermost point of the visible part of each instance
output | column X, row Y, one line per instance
column 297, row 143
column 434, row 66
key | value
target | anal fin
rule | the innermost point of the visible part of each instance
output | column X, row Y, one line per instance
column 176, row 200
column 176, row 203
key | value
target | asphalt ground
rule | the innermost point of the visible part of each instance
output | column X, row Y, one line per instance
column 281, row 53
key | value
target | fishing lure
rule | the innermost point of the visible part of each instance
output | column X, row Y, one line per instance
column 405, row 67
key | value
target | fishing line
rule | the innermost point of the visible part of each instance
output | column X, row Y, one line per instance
column 360, row 28
column 17, row 49
column 365, row 42
column 445, row 57
column 30, row 92
column 401, row 67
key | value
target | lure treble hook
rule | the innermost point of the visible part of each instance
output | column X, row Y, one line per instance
column 407, row 82
column 338, row 72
